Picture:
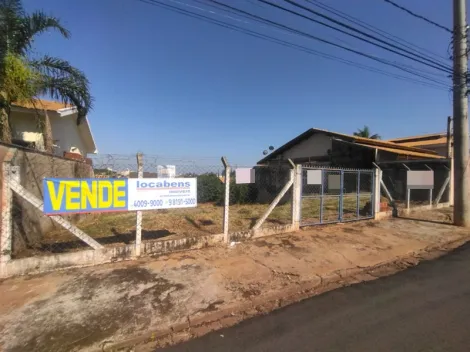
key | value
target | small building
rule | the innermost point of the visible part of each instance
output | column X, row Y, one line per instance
column 166, row 171
column 69, row 139
column 325, row 148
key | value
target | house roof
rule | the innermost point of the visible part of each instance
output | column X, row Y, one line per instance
column 421, row 138
column 44, row 105
column 64, row 110
column 420, row 143
column 375, row 143
column 427, row 155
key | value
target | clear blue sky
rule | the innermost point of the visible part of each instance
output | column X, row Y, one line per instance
column 171, row 85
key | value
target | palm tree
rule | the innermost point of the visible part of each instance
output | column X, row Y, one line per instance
column 24, row 78
column 365, row 133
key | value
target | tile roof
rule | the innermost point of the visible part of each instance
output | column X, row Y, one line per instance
column 419, row 137
column 43, row 105
column 428, row 155
column 441, row 140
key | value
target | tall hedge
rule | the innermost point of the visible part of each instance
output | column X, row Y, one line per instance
column 210, row 189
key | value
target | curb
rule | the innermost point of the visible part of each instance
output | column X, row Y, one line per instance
column 231, row 315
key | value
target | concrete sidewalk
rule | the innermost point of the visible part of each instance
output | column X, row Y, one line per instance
column 155, row 301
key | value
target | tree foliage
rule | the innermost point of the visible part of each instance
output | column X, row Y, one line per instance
column 24, row 78
column 365, row 133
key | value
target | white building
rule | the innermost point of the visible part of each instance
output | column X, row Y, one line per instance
column 68, row 137
column 166, row 171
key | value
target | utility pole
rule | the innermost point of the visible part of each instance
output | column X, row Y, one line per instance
column 461, row 179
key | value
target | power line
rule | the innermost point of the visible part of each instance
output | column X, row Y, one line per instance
column 418, row 16
column 372, row 57
column 436, row 84
column 249, row 15
column 431, row 63
column 374, row 29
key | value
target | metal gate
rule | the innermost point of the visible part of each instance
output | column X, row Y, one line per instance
column 336, row 195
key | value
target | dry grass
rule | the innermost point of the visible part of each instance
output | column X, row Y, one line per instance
column 118, row 228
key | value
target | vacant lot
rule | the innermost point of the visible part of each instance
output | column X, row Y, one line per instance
column 207, row 218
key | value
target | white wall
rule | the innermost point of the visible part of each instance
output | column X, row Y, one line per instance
column 316, row 145
column 25, row 126
column 66, row 136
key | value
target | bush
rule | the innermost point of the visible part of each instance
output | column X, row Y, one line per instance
column 210, row 189
column 242, row 193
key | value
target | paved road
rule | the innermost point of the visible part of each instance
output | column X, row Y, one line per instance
column 426, row 308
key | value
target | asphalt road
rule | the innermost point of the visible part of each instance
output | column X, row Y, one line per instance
column 425, row 308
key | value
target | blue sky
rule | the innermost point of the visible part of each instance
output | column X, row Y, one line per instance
column 171, row 85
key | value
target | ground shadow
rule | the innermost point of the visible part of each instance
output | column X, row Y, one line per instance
column 253, row 221
column 200, row 223
column 116, row 238
column 425, row 220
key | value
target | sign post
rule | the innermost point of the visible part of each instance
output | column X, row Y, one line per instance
column 138, row 225
column 419, row 180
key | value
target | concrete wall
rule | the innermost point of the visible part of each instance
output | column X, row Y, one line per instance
column 29, row 223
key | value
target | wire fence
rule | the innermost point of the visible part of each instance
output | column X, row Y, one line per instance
column 248, row 202
column 36, row 234
column 395, row 180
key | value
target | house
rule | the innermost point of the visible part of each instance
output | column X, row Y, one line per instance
column 69, row 139
column 321, row 147
column 317, row 147
column 436, row 142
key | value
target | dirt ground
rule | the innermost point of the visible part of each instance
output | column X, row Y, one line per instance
column 119, row 228
column 89, row 309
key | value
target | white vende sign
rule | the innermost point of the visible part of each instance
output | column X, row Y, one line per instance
column 161, row 193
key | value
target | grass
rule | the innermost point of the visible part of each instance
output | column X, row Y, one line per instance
column 311, row 208
column 118, row 228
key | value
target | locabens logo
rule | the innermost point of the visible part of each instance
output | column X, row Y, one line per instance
column 161, row 185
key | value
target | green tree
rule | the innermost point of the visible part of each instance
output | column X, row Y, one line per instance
column 25, row 78
column 365, row 133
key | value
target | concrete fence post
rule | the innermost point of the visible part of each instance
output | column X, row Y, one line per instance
column 445, row 186
column 451, row 182
column 377, row 187
column 138, row 226
column 226, row 199
column 296, row 197
column 6, row 206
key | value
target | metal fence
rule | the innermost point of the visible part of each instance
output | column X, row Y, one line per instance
column 336, row 195
column 248, row 202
